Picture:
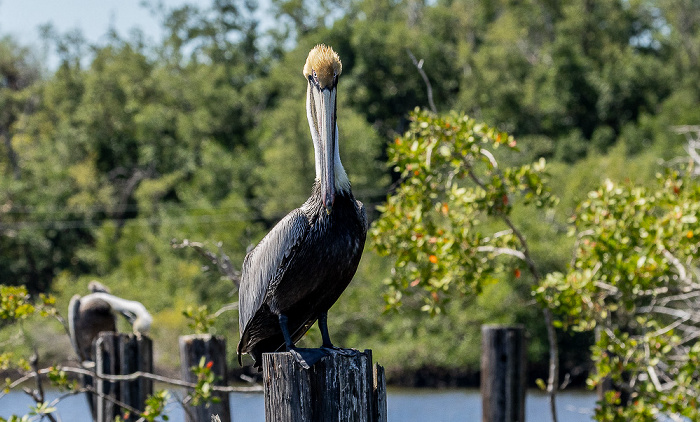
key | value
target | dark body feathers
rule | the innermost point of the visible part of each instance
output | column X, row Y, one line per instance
column 314, row 257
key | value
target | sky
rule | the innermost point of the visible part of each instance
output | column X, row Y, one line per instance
column 22, row 18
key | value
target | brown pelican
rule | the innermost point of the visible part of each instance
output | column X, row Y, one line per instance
column 91, row 314
column 300, row 268
column 94, row 313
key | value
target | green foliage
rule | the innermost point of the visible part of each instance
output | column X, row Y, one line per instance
column 42, row 409
column 634, row 278
column 59, row 379
column 200, row 319
column 155, row 404
column 444, row 222
column 203, row 392
column 14, row 303
column 16, row 306
column 15, row 418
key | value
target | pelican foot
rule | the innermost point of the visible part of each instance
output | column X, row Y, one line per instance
column 332, row 350
column 308, row 357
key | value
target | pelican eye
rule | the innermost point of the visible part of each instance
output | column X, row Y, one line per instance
column 315, row 77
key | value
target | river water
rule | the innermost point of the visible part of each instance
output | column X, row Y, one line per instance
column 403, row 405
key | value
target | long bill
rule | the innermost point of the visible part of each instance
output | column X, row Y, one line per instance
column 321, row 110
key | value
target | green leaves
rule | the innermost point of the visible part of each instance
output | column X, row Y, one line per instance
column 59, row 379
column 200, row 320
column 42, row 409
column 203, row 392
column 14, row 303
column 634, row 278
column 445, row 221
column 15, row 418
column 155, row 405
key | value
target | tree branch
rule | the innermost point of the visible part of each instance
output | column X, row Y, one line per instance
column 553, row 379
column 222, row 261
column 693, row 143
column 502, row 251
column 38, row 393
column 226, row 308
column 419, row 66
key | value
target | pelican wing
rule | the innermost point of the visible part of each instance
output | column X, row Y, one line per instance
column 73, row 315
column 266, row 263
column 363, row 215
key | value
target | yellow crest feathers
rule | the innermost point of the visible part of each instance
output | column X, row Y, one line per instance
column 325, row 62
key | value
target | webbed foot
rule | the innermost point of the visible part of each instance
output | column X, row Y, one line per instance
column 308, row 357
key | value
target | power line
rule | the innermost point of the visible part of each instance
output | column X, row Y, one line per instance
column 139, row 221
column 90, row 223
column 46, row 210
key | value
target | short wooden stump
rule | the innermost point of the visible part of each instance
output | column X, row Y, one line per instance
column 337, row 388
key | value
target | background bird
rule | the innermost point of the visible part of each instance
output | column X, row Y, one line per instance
column 91, row 314
column 301, row 267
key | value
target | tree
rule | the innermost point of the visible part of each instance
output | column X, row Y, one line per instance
column 450, row 214
column 18, row 71
column 27, row 256
column 634, row 278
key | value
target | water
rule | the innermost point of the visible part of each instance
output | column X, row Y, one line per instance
column 402, row 406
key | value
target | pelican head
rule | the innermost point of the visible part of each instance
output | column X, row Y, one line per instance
column 137, row 314
column 91, row 314
column 322, row 70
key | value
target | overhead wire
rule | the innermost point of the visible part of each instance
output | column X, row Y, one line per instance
column 49, row 209
column 140, row 221
column 221, row 216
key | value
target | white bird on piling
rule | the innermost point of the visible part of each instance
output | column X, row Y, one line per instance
column 94, row 313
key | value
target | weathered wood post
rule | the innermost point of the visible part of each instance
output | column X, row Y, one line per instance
column 106, row 363
column 213, row 349
column 379, row 387
column 337, row 388
column 121, row 354
column 136, row 354
column 503, row 373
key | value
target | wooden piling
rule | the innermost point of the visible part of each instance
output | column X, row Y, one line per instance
column 136, row 355
column 379, row 390
column 106, row 363
column 121, row 354
column 503, row 373
column 337, row 388
column 213, row 349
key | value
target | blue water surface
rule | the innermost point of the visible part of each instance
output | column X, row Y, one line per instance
column 403, row 405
